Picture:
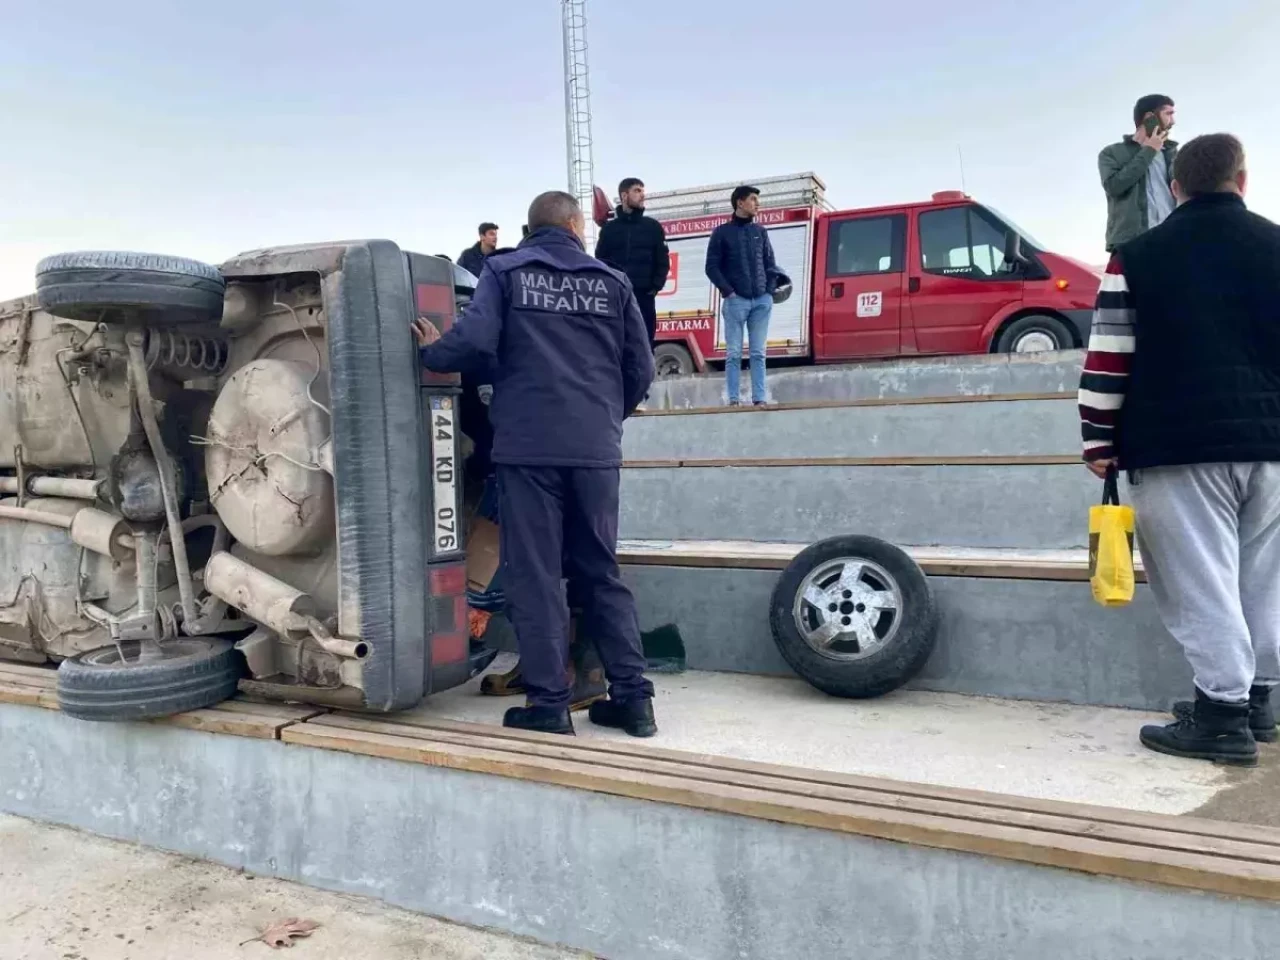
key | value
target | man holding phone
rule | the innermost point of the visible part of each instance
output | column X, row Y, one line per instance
column 1137, row 172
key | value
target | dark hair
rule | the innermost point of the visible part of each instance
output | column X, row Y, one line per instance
column 486, row 227
column 627, row 184
column 555, row 208
column 741, row 193
column 1208, row 162
column 1151, row 103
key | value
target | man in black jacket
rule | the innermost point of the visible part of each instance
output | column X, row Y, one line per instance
column 637, row 245
column 472, row 259
column 1181, row 388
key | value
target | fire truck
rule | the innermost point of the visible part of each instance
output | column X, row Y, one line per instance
column 949, row 275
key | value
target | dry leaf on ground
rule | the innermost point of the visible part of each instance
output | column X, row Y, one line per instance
column 282, row 933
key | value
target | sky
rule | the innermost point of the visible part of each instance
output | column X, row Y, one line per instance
column 203, row 130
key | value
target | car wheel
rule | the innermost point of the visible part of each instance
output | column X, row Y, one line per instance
column 119, row 287
column 854, row 616
column 1035, row 334
column 130, row 682
column 672, row 360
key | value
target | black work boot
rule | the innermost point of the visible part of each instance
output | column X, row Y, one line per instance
column 1214, row 731
column 539, row 719
column 633, row 716
column 1262, row 718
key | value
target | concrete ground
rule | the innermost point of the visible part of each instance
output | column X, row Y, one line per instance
column 65, row 895
column 1054, row 751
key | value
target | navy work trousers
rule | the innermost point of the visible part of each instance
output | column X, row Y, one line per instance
column 558, row 522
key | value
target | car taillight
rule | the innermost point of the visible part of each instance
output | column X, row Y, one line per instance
column 450, row 637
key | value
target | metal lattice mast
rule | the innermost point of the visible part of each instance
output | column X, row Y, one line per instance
column 577, row 109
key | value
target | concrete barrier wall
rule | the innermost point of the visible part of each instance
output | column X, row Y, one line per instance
column 1014, row 428
column 909, row 377
column 1020, row 639
column 620, row 878
column 1031, row 507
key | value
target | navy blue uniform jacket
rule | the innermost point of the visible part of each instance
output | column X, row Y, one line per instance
column 568, row 347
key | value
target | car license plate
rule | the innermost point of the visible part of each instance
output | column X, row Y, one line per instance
column 445, row 528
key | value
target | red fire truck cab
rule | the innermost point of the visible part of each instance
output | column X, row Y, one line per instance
column 947, row 276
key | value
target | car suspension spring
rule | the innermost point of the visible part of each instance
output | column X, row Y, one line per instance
column 173, row 349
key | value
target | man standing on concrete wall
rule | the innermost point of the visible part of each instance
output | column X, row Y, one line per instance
column 1181, row 388
column 741, row 265
column 1136, row 172
column 637, row 245
column 472, row 259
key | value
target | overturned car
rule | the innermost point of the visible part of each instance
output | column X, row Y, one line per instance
column 230, row 478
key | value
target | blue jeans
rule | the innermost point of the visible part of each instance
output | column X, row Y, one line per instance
column 752, row 313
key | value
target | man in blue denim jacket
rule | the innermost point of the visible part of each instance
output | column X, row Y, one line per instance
column 741, row 265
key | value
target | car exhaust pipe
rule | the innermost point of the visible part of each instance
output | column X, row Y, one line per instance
column 274, row 603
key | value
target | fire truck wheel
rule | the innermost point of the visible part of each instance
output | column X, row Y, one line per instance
column 1035, row 334
column 854, row 616
column 115, row 287
column 672, row 360
column 185, row 674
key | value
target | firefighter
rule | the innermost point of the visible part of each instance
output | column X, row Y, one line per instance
column 571, row 358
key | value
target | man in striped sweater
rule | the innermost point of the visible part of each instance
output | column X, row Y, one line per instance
column 1181, row 389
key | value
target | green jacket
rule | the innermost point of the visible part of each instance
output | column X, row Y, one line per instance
column 1123, row 167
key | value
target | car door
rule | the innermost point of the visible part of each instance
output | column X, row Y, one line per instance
column 858, row 299
column 959, row 279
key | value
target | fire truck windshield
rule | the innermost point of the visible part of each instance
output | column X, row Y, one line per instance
column 1027, row 238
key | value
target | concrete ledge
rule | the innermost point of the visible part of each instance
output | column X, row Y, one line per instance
column 941, row 427
column 1032, row 639
column 1019, row 506
column 902, row 377
column 784, row 864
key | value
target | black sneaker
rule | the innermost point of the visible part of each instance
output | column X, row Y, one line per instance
column 633, row 716
column 1214, row 731
column 539, row 719
column 759, row 403
column 1262, row 718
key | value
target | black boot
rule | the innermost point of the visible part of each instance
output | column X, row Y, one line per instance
column 633, row 716
column 539, row 719
column 1214, row 731
column 1262, row 718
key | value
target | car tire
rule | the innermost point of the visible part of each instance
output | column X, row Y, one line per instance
column 138, row 288
column 1035, row 334
column 672, row 360
column 846, row 585
column 193, row 673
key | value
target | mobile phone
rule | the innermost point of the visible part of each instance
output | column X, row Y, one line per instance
column 1152, row 123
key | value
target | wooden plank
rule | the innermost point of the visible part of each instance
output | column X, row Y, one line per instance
column 1069, row 565
column 807, row 776
column 28, row 695
column 984, row 460
column 13, row 669
column 1200, row 871
column 235, row 720
column 1064, row 820
column 868, row 402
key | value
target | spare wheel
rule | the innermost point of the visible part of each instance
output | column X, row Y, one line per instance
column 854, row 616
column 133, row 682
column 134, row 288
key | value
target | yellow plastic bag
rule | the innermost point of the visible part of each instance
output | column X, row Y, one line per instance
column 1111, row 547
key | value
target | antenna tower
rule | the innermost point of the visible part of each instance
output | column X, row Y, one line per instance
column 577, row 109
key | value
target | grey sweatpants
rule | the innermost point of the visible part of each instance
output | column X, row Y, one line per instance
column 1210, row 541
